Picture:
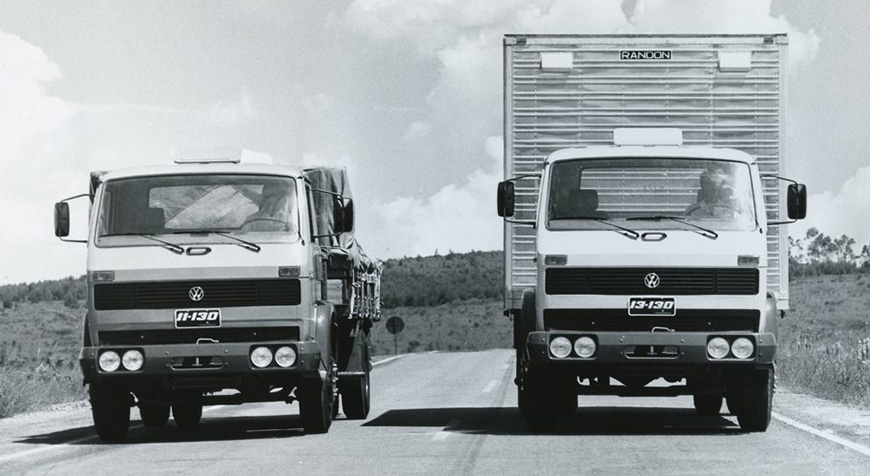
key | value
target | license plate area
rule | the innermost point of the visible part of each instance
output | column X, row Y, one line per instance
column 187, row 318
column 652, row 306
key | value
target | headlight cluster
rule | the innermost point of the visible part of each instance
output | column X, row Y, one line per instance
column 584, row 347
column 283, row 356
column 114, row 360
column 737, row 348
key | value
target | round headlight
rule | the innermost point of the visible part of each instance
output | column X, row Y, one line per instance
column 109, row 361
column 718, row 348
column 742, row 348
column 560, row 347
column 584, row 347
column 133, row 360
column 285, row 357
column 261, row 357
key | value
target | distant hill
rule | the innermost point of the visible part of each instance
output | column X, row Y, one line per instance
column 435, row 280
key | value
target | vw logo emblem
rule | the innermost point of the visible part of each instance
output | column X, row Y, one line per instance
column 196, row 293
column 651, row 280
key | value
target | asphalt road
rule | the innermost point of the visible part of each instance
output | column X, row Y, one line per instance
column 436, row 413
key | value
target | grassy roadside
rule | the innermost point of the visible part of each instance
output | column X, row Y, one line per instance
column 39, row 348
column 825, row 340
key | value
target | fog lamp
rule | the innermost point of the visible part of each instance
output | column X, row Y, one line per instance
column 718, row 348
column 261, row 357
column 133, row 360
column 285, row 356
column 109, row 361
column 585, row 347
column 560, row 347
column 742, row 348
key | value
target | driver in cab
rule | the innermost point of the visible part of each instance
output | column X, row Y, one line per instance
column 716, row 198
column 275, row 211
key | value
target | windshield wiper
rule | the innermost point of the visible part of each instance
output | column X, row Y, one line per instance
column 705, row 232
column 238, row 241
column 626, row 232
column 177, row 249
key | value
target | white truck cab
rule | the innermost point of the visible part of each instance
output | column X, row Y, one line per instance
column 650, row 264
column 216, row 282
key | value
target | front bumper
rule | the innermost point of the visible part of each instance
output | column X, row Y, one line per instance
column 186, row 363
column 666, row 348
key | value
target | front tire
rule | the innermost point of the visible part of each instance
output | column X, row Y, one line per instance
column 356, row 396
column 707, row 405
column 187, row 415
column 110, row 406
column 545, row 398
column 315, row 405
column 154, row 416
column 755, row 401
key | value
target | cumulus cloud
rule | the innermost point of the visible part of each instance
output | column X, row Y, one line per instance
column 36, row 164
column 732, row 16
column 29, row 117
column 841, row 213
column 456, row 218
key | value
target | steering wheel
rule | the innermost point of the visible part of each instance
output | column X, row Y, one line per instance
column 284, row 224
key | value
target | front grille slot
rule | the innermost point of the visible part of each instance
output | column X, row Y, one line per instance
column 673, row 281
column 617, row 320
column 174, row 294
column 191, row 336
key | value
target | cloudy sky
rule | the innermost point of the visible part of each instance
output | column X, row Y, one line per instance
column 405, row 93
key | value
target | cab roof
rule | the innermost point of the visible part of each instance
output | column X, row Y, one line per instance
column 650, row 151
column 204, row 168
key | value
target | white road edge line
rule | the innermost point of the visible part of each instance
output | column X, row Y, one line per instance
column 388, row 359
column 443, row 434
column 823, row 434
column 491, row 385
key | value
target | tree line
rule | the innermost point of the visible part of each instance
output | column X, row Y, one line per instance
column 816, row 254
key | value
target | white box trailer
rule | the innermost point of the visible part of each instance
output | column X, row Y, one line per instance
column 561, row 91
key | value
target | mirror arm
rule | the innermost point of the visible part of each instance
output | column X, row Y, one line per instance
column 786, row 222
column 521, row 177
column 78, row 196
column 774, row 176
column 72, row 241
column 520, row 222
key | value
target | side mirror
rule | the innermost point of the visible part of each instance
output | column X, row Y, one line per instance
column 506, row 199
column 797, row 201
column 61, row 219
column 348, row 216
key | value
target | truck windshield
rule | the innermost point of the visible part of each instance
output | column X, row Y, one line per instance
column 262, row 208
column 713, row 194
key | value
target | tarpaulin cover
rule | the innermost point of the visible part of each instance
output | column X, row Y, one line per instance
column 334, row 180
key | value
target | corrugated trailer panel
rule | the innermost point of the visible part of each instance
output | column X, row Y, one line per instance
column 698, row 90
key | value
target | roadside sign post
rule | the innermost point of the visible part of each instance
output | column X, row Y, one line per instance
column 395, row 325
